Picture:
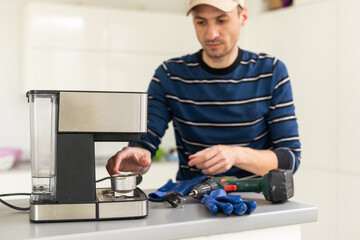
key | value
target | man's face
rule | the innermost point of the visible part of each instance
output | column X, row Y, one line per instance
column 217, row 31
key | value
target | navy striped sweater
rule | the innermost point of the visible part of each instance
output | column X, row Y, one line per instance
column 249, row 103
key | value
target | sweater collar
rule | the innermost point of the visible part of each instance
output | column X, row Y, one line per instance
column 219, row 71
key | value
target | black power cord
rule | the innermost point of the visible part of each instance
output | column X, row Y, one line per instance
column 26, row 194
column 102, row 179
column 175, row 199
column 12, row 206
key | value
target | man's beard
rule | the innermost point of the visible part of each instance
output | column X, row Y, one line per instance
column 215, row 54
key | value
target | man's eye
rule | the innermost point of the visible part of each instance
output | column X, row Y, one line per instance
column 222, row 20
column 200, row 22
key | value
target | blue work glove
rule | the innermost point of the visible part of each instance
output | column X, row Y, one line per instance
column 218, row 200
column 181, row 187
column 214, row 206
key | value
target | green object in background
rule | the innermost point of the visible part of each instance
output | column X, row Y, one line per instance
column 159, row 154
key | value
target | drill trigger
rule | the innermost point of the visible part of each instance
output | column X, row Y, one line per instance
column 230, row 188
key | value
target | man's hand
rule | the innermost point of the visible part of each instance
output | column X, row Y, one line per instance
column 214, row 160
column 218, row 159
column 129, row 159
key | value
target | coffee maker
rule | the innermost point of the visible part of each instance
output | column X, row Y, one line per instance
column 64, row 126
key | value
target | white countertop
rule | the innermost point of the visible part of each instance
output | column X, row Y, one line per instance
column 163, row 222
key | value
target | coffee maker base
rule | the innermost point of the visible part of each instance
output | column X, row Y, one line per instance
column 107, row 207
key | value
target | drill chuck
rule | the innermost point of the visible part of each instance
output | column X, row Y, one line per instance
column 204, row 188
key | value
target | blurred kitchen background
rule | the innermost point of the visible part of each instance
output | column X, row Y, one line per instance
column 117, row 44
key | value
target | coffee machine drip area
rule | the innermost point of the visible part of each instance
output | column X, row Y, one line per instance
column 64, row 126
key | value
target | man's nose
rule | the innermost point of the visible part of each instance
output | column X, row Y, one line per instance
column 212, row 32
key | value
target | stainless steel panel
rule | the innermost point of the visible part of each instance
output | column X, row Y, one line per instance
column 123, row 209
column 103, row 112
column 111, row 206
column 58, row 212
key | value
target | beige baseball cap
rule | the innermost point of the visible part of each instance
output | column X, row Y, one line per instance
column 224, row 5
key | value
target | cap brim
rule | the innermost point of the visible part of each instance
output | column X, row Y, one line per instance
column 225, row 6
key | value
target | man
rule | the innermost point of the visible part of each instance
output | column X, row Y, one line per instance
column 232, row 110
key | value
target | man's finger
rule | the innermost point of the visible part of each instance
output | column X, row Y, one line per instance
column 214, row 169
column 110, row 167
column 142, row 157
column 117, row 160
column 203, row 157
column 144, row 162
column 206, row 163
column 199, row 153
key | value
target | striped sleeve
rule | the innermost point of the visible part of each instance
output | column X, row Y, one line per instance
column 282, row 121
column 158, row 113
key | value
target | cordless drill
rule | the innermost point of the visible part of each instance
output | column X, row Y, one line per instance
column 277, row 185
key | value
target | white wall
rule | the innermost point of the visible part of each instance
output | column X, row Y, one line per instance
column 14, row 124
column 93, row 48
column 73, row 47
column 318, row 41
column 82, row 47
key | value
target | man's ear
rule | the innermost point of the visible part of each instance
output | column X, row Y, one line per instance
column 243, row 16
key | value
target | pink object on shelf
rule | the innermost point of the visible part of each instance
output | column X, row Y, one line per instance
column 9, row 157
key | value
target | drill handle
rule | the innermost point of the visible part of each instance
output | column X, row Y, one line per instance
column 248, row 185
